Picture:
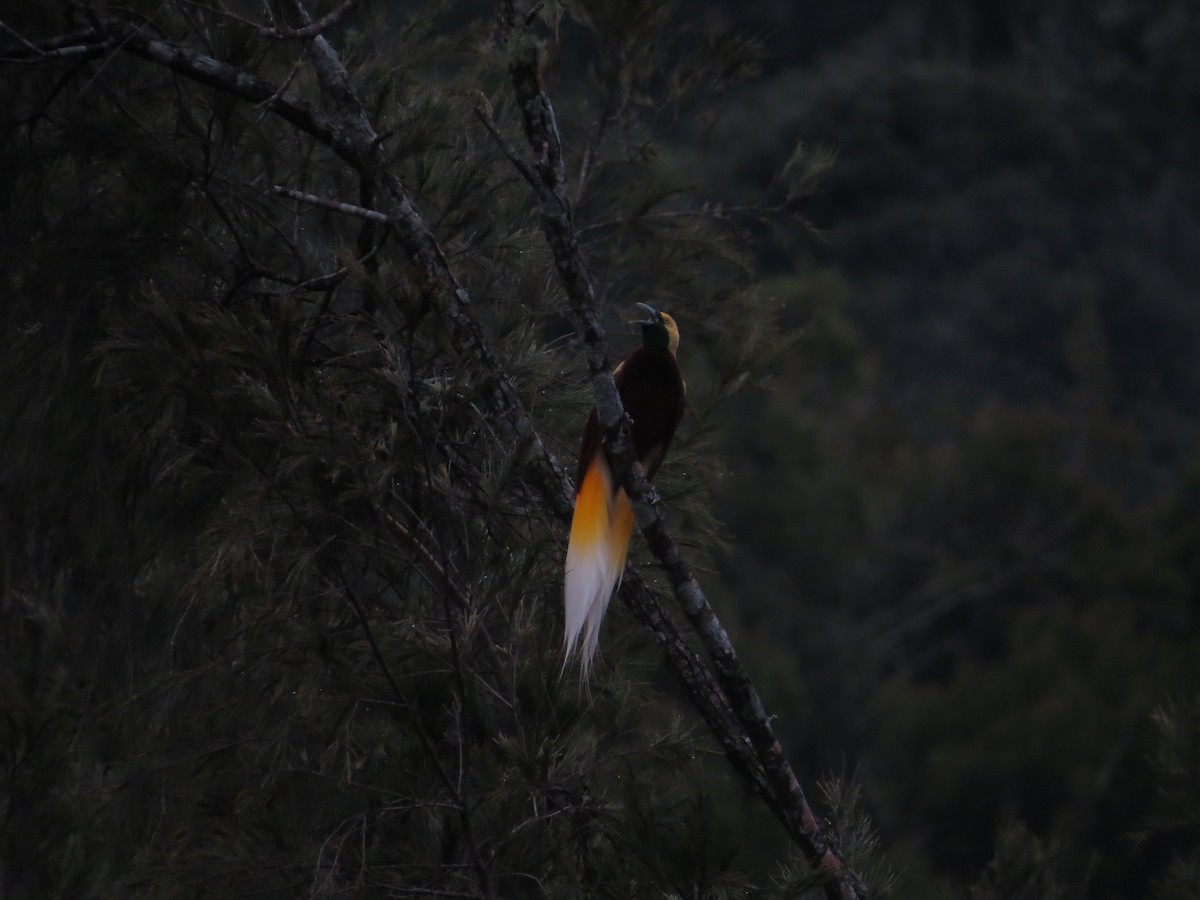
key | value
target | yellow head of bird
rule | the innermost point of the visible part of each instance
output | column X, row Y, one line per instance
column 659, row 332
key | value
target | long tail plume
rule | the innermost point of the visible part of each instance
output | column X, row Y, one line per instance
column 599, row 542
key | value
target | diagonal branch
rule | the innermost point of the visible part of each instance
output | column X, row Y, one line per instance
column 87, row 43
column 349, row 209
column 814, row 838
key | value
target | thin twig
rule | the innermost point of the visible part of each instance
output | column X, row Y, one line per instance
column 336, row 205
column 484, row 113
column 86, row 36
column 310, row 30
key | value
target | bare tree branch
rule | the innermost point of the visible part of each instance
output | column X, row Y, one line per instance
column 336, row 205
column 484, row 113
column 541, row 128
column 77, row 44
column 706, row 695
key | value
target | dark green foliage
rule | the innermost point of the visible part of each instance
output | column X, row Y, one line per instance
column 280, row 597
column 1023, row 869
column 1174, row 828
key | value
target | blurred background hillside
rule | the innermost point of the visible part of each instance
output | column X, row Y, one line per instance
column 963, row 519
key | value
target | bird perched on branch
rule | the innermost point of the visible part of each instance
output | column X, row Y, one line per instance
column 651, row 389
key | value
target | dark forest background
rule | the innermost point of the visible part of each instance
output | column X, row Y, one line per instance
column 281, row 612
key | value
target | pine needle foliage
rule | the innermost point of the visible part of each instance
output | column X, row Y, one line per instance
column 280, row 599
column 1174, row 828
column 859, row 840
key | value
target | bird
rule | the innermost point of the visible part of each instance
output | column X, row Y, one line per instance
column 652, row 391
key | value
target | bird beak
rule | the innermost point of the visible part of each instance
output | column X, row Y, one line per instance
column 653, row 320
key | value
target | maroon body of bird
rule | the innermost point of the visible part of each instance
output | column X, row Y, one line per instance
column 652, row 391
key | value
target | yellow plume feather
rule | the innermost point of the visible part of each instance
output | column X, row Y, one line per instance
column 600, row 532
